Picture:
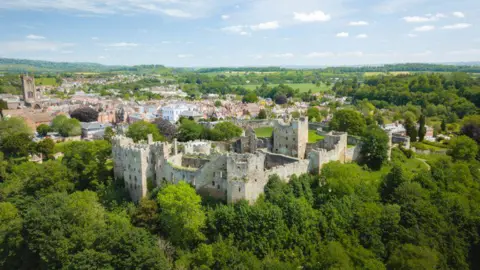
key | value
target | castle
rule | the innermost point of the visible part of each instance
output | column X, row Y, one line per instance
column 227, row 175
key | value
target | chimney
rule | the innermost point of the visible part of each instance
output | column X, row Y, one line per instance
column 150, row 138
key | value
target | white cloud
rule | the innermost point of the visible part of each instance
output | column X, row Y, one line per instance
column 426, row 18
column 457, row 26
column 234, row 28
column 166, row 42
column 421, row 54
column 242, row 29
column 225, row 17
column 122, row 44
column 265, row 26
column 342, row 34
column 66, row 52
column 424, row 28
column 320, row 54
column 315, row 16
column 35, row 37
column 362, row 36
column 466, row 52
column 412, row 35
column 350, row 54
column 458, row 14
column 243, row 33
column 283, row 55
column 33, row 46
column 102, row 57
column 88, row 8
column 176, row 13
column 185, row 55
column 95, row 38
column 358, row 23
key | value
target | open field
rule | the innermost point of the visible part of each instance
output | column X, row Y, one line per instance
column 303, row 87
column 386, row 73
column 45, row 81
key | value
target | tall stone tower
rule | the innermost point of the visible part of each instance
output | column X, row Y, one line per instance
column 291, row 138
column 28, row 85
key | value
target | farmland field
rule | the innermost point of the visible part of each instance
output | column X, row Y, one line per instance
column 386, row 73
column 303, row 87
column 45, row 81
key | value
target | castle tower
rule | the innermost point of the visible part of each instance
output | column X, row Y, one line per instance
column 291, row 138
column 28, row 85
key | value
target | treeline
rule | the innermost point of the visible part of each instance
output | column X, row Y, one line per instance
column 449, row 96
column 414, row 67
column 240, row 69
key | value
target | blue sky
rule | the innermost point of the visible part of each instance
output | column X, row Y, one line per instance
column 239, row 33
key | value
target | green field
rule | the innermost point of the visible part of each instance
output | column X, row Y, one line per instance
column 303, row 87
column 313, row 137
column 266, row 132
column 386, row 73
column 46, row 81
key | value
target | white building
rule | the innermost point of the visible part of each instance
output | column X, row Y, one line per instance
column 173, row 112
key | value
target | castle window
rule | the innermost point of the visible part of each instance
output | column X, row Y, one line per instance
column 218, row 187
column 213, row 183
column 239, row 189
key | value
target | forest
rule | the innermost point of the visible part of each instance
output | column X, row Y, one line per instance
column 408, row 213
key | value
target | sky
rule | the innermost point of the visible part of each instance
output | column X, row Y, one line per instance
column 207, row 33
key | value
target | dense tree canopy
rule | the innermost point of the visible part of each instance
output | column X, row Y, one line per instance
column 139, row 131
column 375, row 147
column 67, row 127
column 85, row 114
column 349, row 121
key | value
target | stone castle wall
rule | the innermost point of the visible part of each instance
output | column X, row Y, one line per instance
column 291, row 138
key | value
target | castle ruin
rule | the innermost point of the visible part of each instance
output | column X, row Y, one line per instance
column 227, row 175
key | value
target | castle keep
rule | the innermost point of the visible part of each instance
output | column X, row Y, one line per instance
column 226, row 175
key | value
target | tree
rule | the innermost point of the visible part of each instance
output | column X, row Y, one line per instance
column 190, row 131
column 408, row 256
column 87, row 162
column 12, row 126
column 108, row 134
column 43, row 129
column 3, row 106
column 67, row 127
column 375, row 147
column 314, row 115
column 139, row 131
column 463, row 148
column 411, row 129
column 444, row 126
column 218, row 103
column 471, row 127
column 348, row 121
column 181, row 214
column 262, row 114
column 16, row 145
column 45, row 147
column 281, row 99
column 167, row 129
column 225, row 131
column 85, row 114
column 393, row 180
column 422, row 130
column 10, row 236
column 250, row 97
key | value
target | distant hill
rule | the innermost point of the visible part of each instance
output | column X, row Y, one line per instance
column 8, row 65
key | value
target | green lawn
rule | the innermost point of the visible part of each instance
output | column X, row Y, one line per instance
column 46, row 81
column 264, row 132
column 303, row 87
column 313, row 137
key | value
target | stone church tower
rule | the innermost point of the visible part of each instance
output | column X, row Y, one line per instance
column 30, row 94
